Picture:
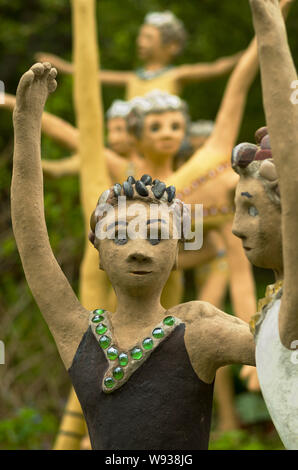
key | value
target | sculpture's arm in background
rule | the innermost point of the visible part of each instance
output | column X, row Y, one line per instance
column 106, row 77
column 59, row 130
column 207, row 71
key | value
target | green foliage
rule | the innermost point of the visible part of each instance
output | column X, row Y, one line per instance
column 27, row 430
column 241, row 439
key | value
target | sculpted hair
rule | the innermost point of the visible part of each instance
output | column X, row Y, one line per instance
column 170, row 27
column 119, row 109
column 154, row 102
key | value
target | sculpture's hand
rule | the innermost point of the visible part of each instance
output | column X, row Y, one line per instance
column 33, row 90
column 262, row 8
column 249, row 374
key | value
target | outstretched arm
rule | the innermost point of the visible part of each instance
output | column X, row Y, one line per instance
column 117, row 165
column 56, row 128
column 106, row 77
column 206, row 71
column 282, row 119
column 65, row 316
column 61, row 167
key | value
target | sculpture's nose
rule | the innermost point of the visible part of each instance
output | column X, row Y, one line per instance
column 139, row 256
column 140, row 252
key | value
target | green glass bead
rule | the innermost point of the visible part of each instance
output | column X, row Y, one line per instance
column 136, row 353
column 169, row 321
column 158, row 333
column 112, row 353
column 101, row 329
column 105, row 341
column 147, row 343
column 123, row 359
column 99, row 311
column 97, row 318
column 118, row 373
column 109, row 382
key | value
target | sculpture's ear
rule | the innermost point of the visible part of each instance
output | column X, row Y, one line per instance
column 175, row 265
column 101, row 266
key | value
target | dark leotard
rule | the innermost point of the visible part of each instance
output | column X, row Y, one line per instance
column 163, row 405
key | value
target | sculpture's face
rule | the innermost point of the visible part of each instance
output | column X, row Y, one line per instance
column 119, row 140
column 162, row 135
column 143, row 262
column 149, row 43
column 257, row 223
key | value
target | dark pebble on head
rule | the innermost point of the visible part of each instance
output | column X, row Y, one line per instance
column 128, row 189
column 265, row 143
column 141, row 188
column 260, row 133
column 243, row 154
column 117, row 189
column 158, row 189
column 171, row 190
column 131, row 180
column 146, row 179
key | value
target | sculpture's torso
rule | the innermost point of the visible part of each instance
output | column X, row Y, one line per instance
column 163, row 405
column 139, row 85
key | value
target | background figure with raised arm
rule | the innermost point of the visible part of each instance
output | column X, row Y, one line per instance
column 161, row 38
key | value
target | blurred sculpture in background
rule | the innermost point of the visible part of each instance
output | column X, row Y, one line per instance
column 161, row 38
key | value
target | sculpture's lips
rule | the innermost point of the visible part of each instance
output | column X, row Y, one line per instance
column 247, row 248
column 141, row 273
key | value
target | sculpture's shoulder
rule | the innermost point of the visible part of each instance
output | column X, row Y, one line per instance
column 200, row 340
column 193, row 312
column 198, row 317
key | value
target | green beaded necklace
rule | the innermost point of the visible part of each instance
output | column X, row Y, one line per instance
column 123, row 364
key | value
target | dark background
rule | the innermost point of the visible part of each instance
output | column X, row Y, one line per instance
column 34, row 384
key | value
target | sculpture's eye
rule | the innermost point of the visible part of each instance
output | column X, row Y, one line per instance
column 154, row 234
column 155, row 126
column 120, row 241
column 176, row 126
column 253, row 211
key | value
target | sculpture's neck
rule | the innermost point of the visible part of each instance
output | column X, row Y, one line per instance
column 160, row 168
column 137, row 309
column 155, row 65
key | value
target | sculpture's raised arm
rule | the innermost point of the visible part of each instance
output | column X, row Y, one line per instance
column 55, row 298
